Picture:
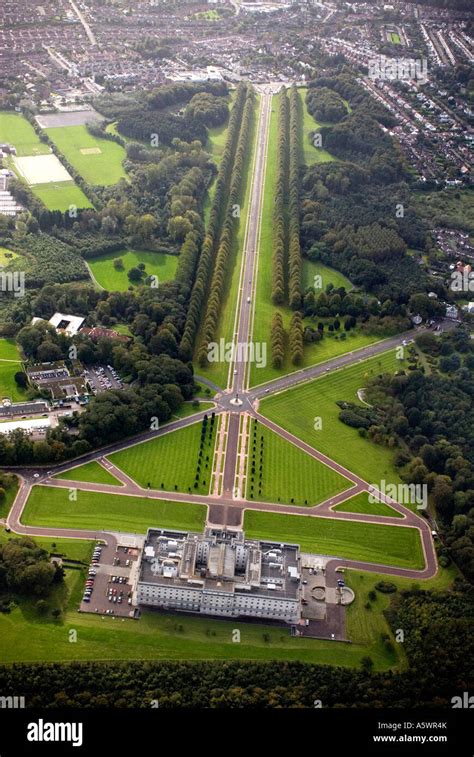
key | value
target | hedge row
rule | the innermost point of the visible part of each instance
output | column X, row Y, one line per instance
column 279, row 227
column 277, row 339
column 217, row 287
column 296, row 339
column 206, row 258
column 294, row 250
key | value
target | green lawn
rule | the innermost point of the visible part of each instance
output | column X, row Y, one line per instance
column 360, row 504
column 311, row 154
column 48, row 506
column 17, row 131
column 188, row 409
column 7, row 502
column 156, row 264
column 313, row 268
column 59, row 196
column 9, row 350
column 169, row 462
column 314, row 353
column 90, row 472
column 10, row 363
column 211, row 15
column 395, row 38
column 289, row 475
column 387, row 545
column 6, row 256
column 101, row 168
column 218, row 371
column 297, row 408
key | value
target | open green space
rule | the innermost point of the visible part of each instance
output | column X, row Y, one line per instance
column 289, row 475
column 90, row 472
column 108, row 277
column 99, row 161
column 7, row 501
column 395, row 38
column 211, row 15
column 297, row 408
column 311, row 154
column 17, row 131
column 170, row 462
column 399, row 546
column 188, row 408
column 60, row 196
column 317, row 352
column 361, row 504
column 9, row 389
column 218, row 371
column 48, row 506
column 9, row 350
column 10, row 363
column 6, row 256
column 313, row 268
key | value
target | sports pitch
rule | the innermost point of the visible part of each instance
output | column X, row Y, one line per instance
column 17, row 131
column 99, row 161
column 41, row 169
column 61, row 195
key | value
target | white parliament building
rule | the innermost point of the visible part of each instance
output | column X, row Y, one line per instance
column 220, row 573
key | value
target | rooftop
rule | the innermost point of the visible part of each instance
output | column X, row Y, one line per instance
column 220, row 561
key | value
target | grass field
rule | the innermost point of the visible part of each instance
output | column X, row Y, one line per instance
column 388, row 545
column 313, row 268
column 48, row 506
column 264, row 308
column 311, row 154
column 59, row 196
column 289, row 475
column 395, row 38
column 218, row 371
column 9, row 350
column 6, row 256
column 103, row 167
column 5, row 505
column 360, row 504
column 17, row 131
column 169, row 462
column 211, row 15
column 156, row 264
column 297, row 408
column 89, row 472
column 10, row 363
